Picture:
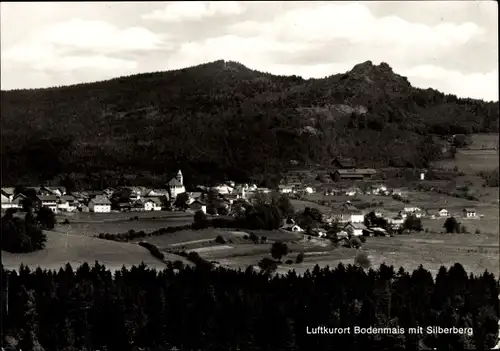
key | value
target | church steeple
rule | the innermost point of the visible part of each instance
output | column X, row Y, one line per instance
column 179, row 177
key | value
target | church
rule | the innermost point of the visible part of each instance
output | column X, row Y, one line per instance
column 176, row 186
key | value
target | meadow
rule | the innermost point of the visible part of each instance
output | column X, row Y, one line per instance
column 76, row 249
column 481, row 155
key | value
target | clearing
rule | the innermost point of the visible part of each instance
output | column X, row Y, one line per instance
column 76, row 249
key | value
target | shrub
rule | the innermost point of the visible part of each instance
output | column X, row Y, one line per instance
column 254, row 238
column 66, row 221
column 289, row 262
column 178, row 265
column 355, row 242
column 363, row 239
column 153, row 249
column 267, row 264
column 362, row 260
column 136, row 218
column 278, row 250
column 300, row 258
column 245, row 237
column 478, row 231
column 263, row 239
column 220, row 240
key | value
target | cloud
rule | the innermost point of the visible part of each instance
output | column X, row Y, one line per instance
column 51, row 47
column 195, row 11
column 474, row 85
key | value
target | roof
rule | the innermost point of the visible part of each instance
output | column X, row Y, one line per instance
column 470, row 209
column 47, row 198
column 344, row 162
column 100, row 200
column 68, row 198
column 356, row 225
column 156, row 200
column 195, row 194
column 197, row 202
column 355, row 171
column 442, row 209
column 8, row 191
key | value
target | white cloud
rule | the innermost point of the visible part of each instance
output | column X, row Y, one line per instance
column 474, row 85
column 51, row 47
column 195, row 10
column 357, row 24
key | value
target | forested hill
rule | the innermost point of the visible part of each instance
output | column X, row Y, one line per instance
column 224, row 119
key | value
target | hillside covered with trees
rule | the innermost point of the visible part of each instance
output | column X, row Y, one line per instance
column 198, row 309
column 222, row 119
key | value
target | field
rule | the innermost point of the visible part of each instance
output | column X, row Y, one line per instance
column 89, row 224
column 77, row 249
column 481, row 155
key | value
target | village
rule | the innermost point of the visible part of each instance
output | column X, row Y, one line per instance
column 342, row 185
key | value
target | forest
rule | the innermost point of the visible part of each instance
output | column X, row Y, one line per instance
column 186, row 308
column 223, row 120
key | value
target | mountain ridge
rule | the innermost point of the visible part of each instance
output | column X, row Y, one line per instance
column 222, row 119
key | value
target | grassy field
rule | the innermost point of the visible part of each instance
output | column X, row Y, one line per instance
column 481, row 155
column 77, row 249
column 475, row 252
column 115, row 227
column 90, row 217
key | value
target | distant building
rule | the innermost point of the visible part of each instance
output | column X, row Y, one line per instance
column 357, row 228
column 285, row 189
column 49, row 201
column 67, row 203
column 443, row 212
column 100, row 204
column 176, row 186
column 152, row 204
column 353, row 174
column 469, row 212
column 343, row 163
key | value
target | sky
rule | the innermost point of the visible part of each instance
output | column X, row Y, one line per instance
column 451, row 46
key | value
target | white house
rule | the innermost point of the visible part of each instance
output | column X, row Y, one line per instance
column 100, row 204
column 152, row 204
column 357, row 228
column 412, row 209
column 176, row 185
column 6, row 201
column 352, row 191
column 443, row 212
column 157, row 193
column 309, row 190
column 49, row 201
column 67, row 203
column 396, row 223
column 469, row 213
column 285, row 189
column 223, row 189
column 378, row 189
column 357, row 217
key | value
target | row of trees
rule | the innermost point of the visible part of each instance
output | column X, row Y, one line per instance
column 193, row 309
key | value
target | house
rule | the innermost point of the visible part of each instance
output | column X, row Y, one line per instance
column 17, row 201
column 292, row 228
column 285, row 189
column 346, row 213
column 309, row 190
column 400, row 192
column 100, row 204
column 412, row 209
column 94, row 193
column 9, row 193
column 49, row 201
column 356, row 228
column 263, row 190
column 198, row 205
column 379, row 189
column 152, row 204
column 223, row 189
column 343, row 163
column 352, row 191
column 353, row 174
column 396, row 223
column 67, row 203
column 443, row 212
column 176, row 185
column 54, row 190
column 6, row 201
column 332, row 191
column 469, row 212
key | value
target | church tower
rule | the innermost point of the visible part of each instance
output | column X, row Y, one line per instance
column 179, row 177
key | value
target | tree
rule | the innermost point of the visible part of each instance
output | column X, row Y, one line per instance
column 451, row 225
column 278, row 250
column 362, row 260
column 200, row 219
column 300, row 258
column 46, row 218
column 412, row 223
column 181, row 201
